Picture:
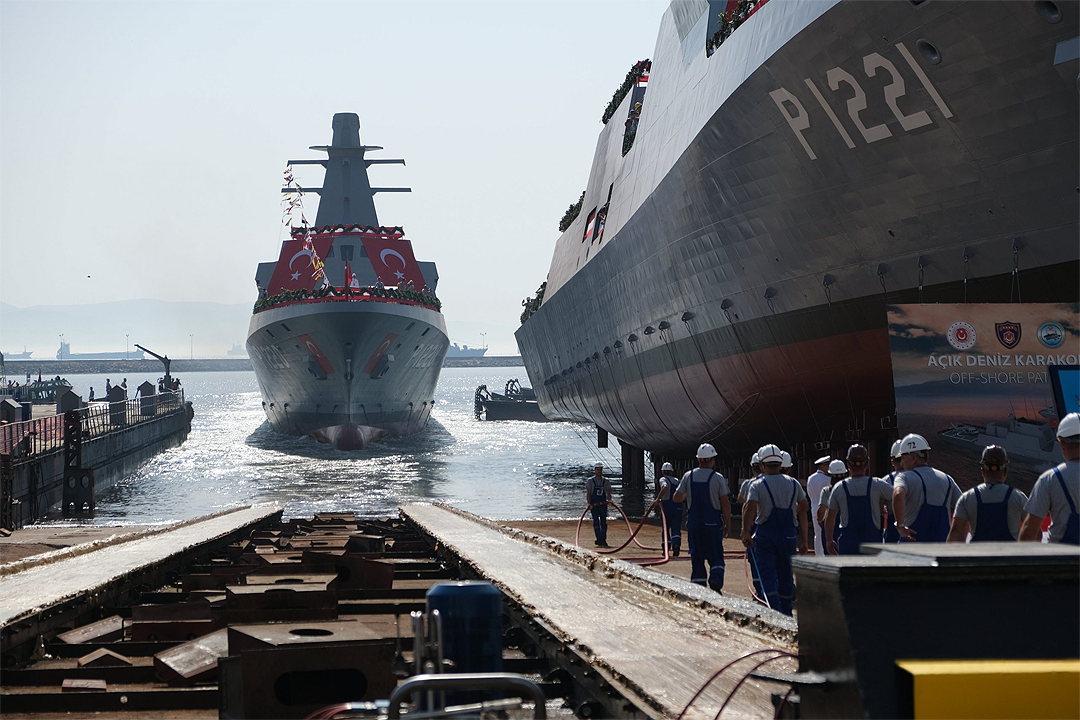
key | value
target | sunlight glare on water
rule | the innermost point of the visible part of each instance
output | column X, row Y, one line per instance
column 507, row 469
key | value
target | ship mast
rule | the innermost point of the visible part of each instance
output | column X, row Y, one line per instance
column 346, row 196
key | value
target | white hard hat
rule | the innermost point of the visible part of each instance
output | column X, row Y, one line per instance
column 787, row 459
column 837, row 467
column 913, row 443
column 895, row 451
column 598, row 464
column 821, row 460
column 706, row 451
column 1069, row 427
column 754, row 460
column 668, row 466
column 770, row 454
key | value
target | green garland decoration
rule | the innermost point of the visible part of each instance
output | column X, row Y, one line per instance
column 641, row 67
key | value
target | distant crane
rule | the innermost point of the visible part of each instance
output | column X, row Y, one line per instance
column 165, row 361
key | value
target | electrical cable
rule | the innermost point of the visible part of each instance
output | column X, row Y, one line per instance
column 746, row 677
column 783, row 702
column 722, row 670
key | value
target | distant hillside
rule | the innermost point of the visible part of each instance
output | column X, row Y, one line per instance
column 164, row 327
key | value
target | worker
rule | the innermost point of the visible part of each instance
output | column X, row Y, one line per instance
column 1057, row 491
column 891, row 536
column 598, row 495
column 923, row 498
column 858, row 502
column 755, row 473
column 778, row 505
column 991, row 511
column 837, row 470
column 787, row 464
column 814, row 485
column 708, row 518
column 673, row 511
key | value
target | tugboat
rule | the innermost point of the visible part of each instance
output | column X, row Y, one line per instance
column 347, row 338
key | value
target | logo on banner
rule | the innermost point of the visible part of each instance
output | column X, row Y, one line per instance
column 961, row 335
column 1051, row 334
column 1008, row 334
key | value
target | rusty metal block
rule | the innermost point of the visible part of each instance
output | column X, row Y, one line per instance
column 294, row 681
column 107, row 630
column 191, row 610
column 193, row 662
column 409, row 546
column 363, row 543
column 318, row 633
column 104, row 658
column 75, row 685
column 280, row 577
column 322, row 543
column 335, row 517
column 278, row 603
column 353, row 571
column 170, row 630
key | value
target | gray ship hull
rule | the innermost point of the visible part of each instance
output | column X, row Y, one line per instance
column 347, row 373
column 740, row 297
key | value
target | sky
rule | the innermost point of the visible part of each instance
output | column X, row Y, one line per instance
column 142, row 144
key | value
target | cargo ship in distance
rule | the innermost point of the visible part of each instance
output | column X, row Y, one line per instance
column 770, row 182
column 347, row 339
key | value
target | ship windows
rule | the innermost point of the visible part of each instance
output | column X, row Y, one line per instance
column 410, row 327
column 425, row 332
column 285, row 327
column 346, row 252
column 269, row 333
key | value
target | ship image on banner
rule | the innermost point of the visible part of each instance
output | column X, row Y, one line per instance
column 347, row 339
column 998, row 389
column 767, row 185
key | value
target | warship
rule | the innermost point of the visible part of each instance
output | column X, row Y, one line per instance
column 770, row 180
column 347, row 339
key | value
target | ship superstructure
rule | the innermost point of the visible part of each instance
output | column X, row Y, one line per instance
column 743, row 229
column 347, row 339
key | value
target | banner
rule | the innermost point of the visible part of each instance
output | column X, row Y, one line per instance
column 297, row 267
column 968, row 376
column 393, row 261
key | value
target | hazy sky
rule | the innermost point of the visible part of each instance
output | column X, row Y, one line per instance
column 142, row 144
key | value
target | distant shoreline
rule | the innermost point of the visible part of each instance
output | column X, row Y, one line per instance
column 17, row 369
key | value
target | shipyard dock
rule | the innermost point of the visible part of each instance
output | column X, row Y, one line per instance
column 245, row 614
column 61, row 455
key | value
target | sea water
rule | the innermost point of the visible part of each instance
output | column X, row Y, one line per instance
column 500, row 469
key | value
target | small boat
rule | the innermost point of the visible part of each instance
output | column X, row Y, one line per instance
column 515, row 403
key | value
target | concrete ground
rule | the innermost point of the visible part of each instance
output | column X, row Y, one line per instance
column 735, row 576
column 39, row 539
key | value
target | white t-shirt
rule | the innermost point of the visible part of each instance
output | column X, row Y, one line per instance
column 939, row 487
column 717, row 485
column 858, row 487
column 1048, row 499
column 814, row 485
column 782, row 488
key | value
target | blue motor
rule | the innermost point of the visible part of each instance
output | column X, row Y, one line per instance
column 471, row 618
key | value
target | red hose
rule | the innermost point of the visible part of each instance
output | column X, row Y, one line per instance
column 746, row 677
column 721, row 671
column 633, row 533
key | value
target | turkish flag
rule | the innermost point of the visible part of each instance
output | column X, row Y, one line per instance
column 380, row 350
column 393, row 260
column 316, row 353
column 294, row 269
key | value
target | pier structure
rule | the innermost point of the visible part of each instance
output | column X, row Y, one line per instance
column 59, row 460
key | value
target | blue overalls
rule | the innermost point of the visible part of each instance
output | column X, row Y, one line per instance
column 774, row 544
column 889, row 534
column 598, row 501
column 860, row 527
column 932, row 522
column 672, row 513
column 705, row 533
column 1072, row 525
column 992, row 519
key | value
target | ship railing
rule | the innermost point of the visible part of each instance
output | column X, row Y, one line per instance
column 365, row 294
column 33, row 438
